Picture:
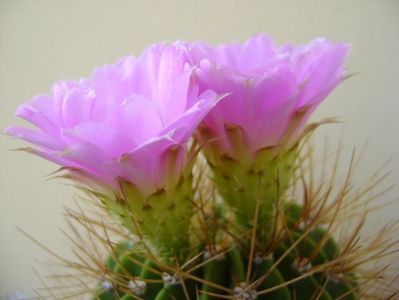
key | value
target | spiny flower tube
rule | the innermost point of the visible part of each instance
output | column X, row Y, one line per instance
column 250, row 138
column 124, row 133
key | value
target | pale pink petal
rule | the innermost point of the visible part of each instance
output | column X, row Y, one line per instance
column 108, row 139
column 137, row 118
column 142, row 165
column 35, row 137
column 267, row 86
column 40, row 112
column 181, row 129
column 124, row 121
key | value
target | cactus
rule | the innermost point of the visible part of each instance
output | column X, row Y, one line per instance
column 253, row 223
column 298, row 258
column 301, row 257
column 206, row 247
column 291, row 269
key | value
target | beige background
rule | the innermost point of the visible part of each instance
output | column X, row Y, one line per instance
column 45, row 41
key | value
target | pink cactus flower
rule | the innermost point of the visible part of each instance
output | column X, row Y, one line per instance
column 123, row 122
column 272, row 90
column 250, row 137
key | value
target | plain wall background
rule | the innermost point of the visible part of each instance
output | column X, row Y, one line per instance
column 44, row 41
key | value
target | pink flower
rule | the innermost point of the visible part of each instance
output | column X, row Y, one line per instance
column 250, row 137
column 126, row 121
column 272, row 90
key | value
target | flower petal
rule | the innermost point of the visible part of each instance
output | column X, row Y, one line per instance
column 182, row 128
column 35, row 137
column 136, row 118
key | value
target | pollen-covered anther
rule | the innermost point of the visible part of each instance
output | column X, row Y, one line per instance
column 137, row 286
column 170, row 279
column 242, row 292
column 302, row 265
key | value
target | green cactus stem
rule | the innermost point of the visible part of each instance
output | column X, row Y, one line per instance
column 295, row 269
